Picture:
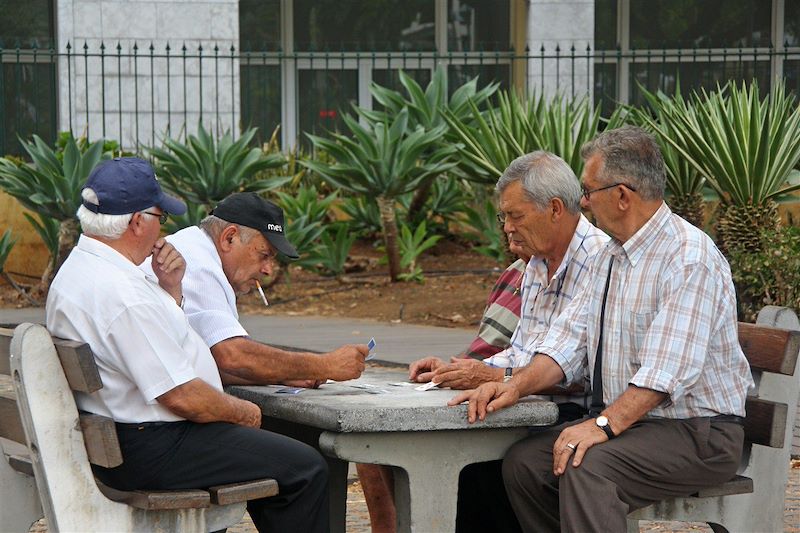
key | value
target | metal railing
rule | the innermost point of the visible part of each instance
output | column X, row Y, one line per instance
column 137, row 94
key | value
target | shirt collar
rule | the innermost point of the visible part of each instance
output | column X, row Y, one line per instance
column 635, row 247
column 103, row 251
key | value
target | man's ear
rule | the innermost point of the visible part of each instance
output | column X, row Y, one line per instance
column 226, row 238
column 557, row 209
column 624, row 198
column 135, row 224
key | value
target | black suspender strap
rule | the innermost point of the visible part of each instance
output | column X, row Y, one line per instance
column 597, row 375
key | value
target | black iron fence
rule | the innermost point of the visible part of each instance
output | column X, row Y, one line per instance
column 137, row 94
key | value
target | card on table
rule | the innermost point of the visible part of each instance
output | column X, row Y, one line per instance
column 289, row 390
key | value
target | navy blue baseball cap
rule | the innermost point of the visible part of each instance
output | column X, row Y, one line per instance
column 127, row 185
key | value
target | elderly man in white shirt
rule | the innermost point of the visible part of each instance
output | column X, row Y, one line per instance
column 176, row 427
column 230, row 251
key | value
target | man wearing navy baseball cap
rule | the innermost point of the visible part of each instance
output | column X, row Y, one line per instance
column 227, row 254
column 176, row 426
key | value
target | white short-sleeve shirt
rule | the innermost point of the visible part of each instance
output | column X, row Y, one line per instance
column 209, row 299
column 141, row 339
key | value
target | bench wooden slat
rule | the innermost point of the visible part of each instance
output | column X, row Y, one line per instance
column 5, row 349
column 10, row 424
column 765, row 423
column 21, row 463
column 158, row 500
column 738, row 485
column 100, row 437
column 770, row 349
column 240, row 492
column 79, row 365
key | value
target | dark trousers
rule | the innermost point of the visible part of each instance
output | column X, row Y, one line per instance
column 184, row 455
column 482, row 501
column 652, row 460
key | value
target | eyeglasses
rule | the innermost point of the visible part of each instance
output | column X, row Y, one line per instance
column 587, row 192
column 162, row 217
column 501, row 217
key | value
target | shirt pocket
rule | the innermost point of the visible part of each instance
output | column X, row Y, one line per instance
column 637, row 328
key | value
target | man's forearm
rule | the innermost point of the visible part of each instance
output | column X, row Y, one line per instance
column 244, row 360
column 541, row 374
column 632, row 405
column 199, row 402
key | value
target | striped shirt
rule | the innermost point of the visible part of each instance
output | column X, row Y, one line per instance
column 670, row 322
column 501, row 315
column 543, row 299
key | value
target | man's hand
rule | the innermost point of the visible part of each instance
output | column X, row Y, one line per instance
column 422, row 370
column 250, row 414
column 580, row 438
column 346, row 363
column 465, row 374
column 169, row 266
column 487, row 398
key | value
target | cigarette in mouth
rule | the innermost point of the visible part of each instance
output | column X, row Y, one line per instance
column 261, row 292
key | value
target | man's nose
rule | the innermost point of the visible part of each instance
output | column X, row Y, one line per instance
column 584, row 202
column 268, row 267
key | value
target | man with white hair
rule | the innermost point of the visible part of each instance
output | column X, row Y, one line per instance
column 177, row 429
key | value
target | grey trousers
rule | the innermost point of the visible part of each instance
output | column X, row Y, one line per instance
column 651, row 461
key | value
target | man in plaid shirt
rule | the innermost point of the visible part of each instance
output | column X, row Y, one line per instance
column 660, row 315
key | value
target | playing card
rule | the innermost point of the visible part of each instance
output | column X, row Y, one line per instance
column 371, row 345
column 289, row 390
column 428, row 386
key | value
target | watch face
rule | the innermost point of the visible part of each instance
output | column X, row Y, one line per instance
column 601, row 421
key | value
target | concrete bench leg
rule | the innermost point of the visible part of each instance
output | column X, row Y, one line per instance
column 19, row 500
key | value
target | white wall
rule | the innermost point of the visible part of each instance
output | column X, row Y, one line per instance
column 562, row 23
column 192, row 23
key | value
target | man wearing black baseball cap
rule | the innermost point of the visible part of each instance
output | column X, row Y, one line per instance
column 230, row 251
column 176, row 426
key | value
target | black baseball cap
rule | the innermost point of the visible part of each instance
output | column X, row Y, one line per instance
column 127, row 185
column 249, row 209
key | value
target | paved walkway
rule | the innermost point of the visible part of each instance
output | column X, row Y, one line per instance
column 397, row 344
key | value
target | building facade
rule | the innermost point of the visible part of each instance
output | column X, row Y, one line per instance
column 136, row 70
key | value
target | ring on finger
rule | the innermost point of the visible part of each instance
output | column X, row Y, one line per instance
column 571, row 446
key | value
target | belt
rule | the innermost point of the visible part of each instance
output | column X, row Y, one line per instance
column 728, row 418
column 140, row 425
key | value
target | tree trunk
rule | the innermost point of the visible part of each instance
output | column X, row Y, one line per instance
column 389, row 227
column 419, row 199
column 68, row 232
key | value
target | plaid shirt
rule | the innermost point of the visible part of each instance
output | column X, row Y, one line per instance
column 544, row 299
column 670, row 322
column 501, row 314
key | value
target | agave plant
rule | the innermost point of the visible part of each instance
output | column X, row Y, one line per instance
column 50, row 186
column 306, row 201
column 746, row 148
column 518, row 126
column 684, row 181
column 426, row 108
column 383, row 160
column 203, row 171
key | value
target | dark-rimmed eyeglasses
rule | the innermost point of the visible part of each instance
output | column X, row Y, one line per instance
column 162, row 217
column 587, row 193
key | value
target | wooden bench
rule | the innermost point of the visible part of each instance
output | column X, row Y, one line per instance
column 754, row 499
column 48, row 446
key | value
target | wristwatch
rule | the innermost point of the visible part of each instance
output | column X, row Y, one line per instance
column 602, row 423
column 507, row 375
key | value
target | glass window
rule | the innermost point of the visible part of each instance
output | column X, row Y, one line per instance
column 791, row 21
column 26, row 24
column 605, row 86
column 27, row 104
column 458, row 75
column 260, row 25
column 358, row 25
column 700, row 23
column 323, row 96
column 791, row 76
column 477, row 25
column 665, row 76
column 260, row 98
column 605, row 24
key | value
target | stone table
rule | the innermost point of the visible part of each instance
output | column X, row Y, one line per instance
column 381, row 418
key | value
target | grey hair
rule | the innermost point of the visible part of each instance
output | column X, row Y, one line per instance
column 543, row 176
column 101, row 224
column 630, row 155
column 213, row 225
